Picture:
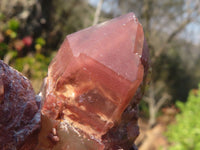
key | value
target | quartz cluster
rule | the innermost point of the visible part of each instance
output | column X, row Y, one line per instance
column 87, row 98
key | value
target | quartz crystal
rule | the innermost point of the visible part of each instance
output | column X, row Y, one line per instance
column 90, row 83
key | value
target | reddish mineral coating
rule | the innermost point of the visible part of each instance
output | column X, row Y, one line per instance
column 19, row 113
column 123, row 134
column 92, row 80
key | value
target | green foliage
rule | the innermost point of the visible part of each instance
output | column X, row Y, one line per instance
column 40, row 41
column 3, row 49
column 144, row 109
column 34, row 67
column 20, row 52
column 185, row 134
column 1, row 16
column 13, row 24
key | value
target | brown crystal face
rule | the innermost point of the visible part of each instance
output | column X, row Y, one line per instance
column 94, row 76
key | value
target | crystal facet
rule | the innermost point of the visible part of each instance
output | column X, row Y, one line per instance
column 91, row 82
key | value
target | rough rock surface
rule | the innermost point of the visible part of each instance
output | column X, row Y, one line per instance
column 90, row 85
column 19, row 112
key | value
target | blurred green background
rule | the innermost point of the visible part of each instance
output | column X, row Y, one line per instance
column 31, row 32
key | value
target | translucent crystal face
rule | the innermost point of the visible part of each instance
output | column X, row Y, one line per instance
column 94, row 76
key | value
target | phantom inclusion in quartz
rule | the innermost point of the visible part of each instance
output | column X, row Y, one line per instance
column 94, row 76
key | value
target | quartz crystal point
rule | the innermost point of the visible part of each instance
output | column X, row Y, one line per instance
column 90, row 83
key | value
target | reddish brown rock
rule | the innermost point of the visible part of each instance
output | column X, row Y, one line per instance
column 90, row 84
column 19, row 113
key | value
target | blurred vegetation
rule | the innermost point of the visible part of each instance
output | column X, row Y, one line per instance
column 185, row 133
column 23, row 53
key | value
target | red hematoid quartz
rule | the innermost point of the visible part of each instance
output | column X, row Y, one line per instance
column 94, row 76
